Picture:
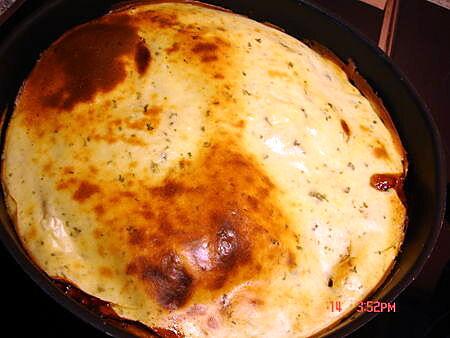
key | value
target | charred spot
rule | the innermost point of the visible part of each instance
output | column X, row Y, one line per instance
column 228, row 247
column 384, row 182
column 84, row 62
column 142, row 57
column 170, row 281
column 346, row 129
column 84, row 191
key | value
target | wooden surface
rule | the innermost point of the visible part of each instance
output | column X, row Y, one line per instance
column 389, row 26
column 380, row 4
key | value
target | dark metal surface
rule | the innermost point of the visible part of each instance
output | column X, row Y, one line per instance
column 8, row 8
column 425, row 186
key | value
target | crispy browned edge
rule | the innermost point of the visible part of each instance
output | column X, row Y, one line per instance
column 354, row 77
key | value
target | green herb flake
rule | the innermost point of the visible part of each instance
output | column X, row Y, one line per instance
column 317, row 195
column 154, row 167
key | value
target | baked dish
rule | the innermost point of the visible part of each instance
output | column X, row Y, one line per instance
column 204, row 174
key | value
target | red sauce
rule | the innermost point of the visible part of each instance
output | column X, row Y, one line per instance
column 384, row 182
column 105, row 310
column 93, row 304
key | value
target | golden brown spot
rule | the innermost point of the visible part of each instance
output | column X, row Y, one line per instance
column 31, row 233
column 346, row 129
column 206, row 50
column 291, row 260
column 160, row 19
column 98, row 233
column 153, row 111
column 364, row 128
column 136, row 236
column 105, row 271
column 384, row 182
column 380, row 152
column 256, row 302
column 86, row 61
column 85, row 190
column 66, row 184
column 276, row 73
column 68, row 170
column 99, row 210
column 47, row 169
column 142, row 57
column 201, row 231
column 174, row 48
column 240, row 124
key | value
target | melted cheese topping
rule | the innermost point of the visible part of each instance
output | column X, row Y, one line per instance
column 203, row 173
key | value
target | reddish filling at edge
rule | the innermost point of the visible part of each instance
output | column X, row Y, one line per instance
column 384, row 182
column 105, row 311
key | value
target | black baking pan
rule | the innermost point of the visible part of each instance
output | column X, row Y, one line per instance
column 426, row 180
